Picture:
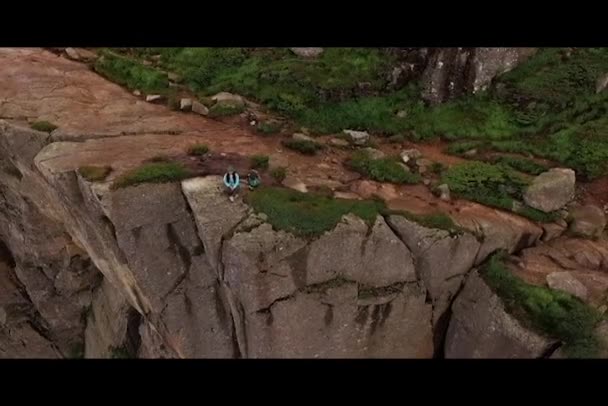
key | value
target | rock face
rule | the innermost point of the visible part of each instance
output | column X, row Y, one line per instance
column 551, row 190
column 588, row 221
column 442, row 261
column 307, row 52
column 451, row 72
column 481, row 328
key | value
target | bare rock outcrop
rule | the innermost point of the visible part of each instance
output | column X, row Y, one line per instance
column 480, row 327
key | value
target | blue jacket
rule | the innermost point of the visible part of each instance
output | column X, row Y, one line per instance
column 234, row 184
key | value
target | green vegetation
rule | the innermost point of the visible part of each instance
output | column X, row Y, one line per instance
column 154, row 172
column 382, row 170
column 492, row 185
column 76, row 351
column 305, row 147
column 546, row 106
column 268, row 127
column 131, row 73
column 522, row 164
column 437, row 168
column 198, row 150
column 279, row 174
column 94, row 173
column 225, row 109
column 307, row 214
column 260, row 161
column 556, row 314
column 43, row 126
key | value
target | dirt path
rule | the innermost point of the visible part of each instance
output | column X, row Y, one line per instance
column 101, row 123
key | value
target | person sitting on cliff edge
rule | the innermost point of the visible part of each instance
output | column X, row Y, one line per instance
column 232, row 181
column 253, row 179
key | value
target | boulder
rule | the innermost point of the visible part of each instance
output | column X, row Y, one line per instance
column 566, row 282
column 72, row 54
column 185, row 104
column 307, row 52
column 357, row 137
column 410, row 154
column 444, row 189
column 228, row 98
column 551, row 190
column 588, row 221
column 480, row 327
column 136, row 93
column 199, row 108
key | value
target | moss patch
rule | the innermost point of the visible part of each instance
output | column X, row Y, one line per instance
column 307, row 214
column 556, row 314
column 131, row 73
column 225, row 109
column 43, row 126
column 260, row 161
column 154, row 172
column 303, row 146
column 94, row 173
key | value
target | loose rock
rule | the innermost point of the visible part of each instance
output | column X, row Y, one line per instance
column 357, row 137
column 409, row 154
column 444, row 189
column 566, row 282
column 588, row 220
column 551, row 190
column 185, row 104
column 199, row 108
column 307, row 52
column 374, row 153
column 301, row 137
column 151, row 98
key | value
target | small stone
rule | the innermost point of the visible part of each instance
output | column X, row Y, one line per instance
column 516, row 206
column 72, row 54
column 334, row 161
column 146, row 63
column 422, row 162
column 301, row 137
column 409, row 154
column 339, row 142
column 185, row 104
column 402, row 114
column 151, row 98
column 426, row 182
column 174, row 77
column 252, row 123
column 136, row 93
column 357, row 137
column 199, row 108
column 305, row 130
column 566, row 282
column 444, row 189
column 471, row 152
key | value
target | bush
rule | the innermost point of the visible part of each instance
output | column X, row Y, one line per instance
column 522, row 164
column 260, row 161
column 43, row 126
column 303, row 146
column 279, row 174
column 437, row 168
column 557, row 314
column 381, row 170
column 94, row 173
column 198, row 150
column 308, row 214
column 269, row 127
column 156, row 172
